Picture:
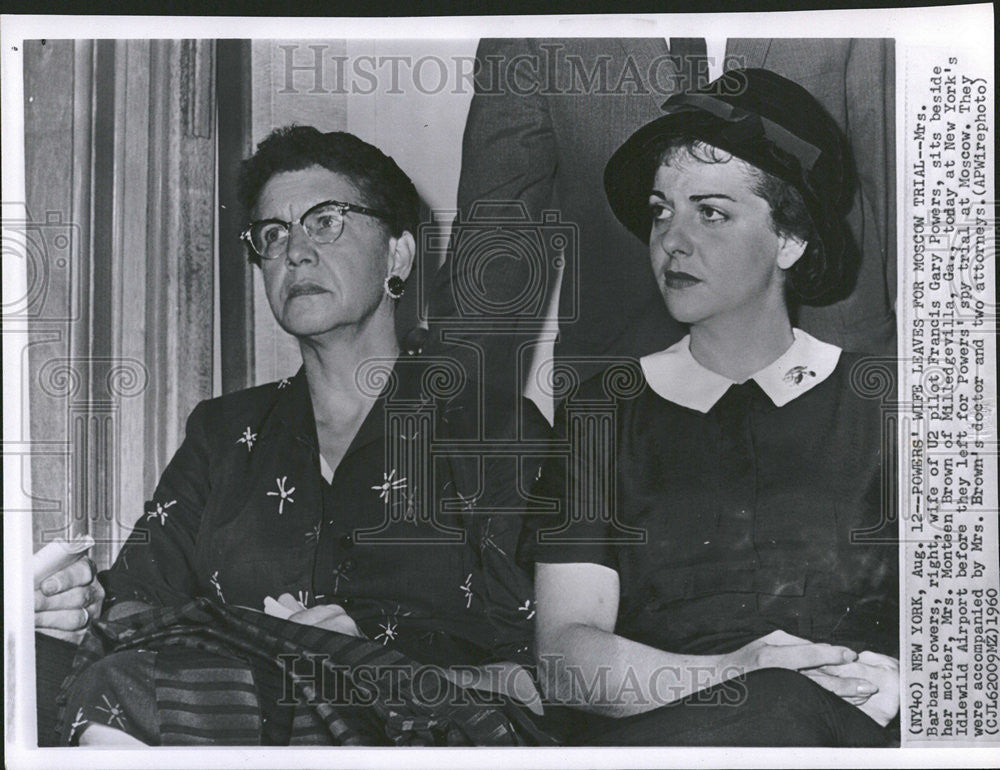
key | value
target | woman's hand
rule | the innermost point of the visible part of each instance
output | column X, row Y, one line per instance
column 869, row 681
column 67, row 600
column 882, row 674
column 332, row 617
column 781, row 650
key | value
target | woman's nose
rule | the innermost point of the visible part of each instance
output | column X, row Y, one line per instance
column 300, row 247
column 674, row 237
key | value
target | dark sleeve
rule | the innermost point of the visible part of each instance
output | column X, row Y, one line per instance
column 573, row 486
column 871, row 121
column 494, row 520
column 865, row 320
column 507, row 587
column 508, row 168
column 156, row 564
column 508, row 149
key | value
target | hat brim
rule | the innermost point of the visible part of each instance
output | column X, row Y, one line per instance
column 628, row 175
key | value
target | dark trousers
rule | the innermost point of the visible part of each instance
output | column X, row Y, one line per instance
column 770, row 707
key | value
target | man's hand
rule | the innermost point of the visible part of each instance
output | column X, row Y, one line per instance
column 67, row 600
column 881, row 671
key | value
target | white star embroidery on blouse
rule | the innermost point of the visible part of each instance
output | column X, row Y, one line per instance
column 466, row 588
column 389, row 484
column 247, row 438
column 446, row 413
column 284, row 383
column 487, row 541
column 114, row 712
column 468, row 503
column 410, row 511
column 340, row 571
column 77, row 723
column 161, row 512
column 303, row 597
column 313, row 534
column 526, row 607
column 388, row 632
column 217, row 585
column 284, row 494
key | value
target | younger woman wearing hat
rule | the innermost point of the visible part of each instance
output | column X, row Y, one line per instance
column 727, row 574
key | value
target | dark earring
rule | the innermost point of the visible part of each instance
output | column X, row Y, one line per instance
column 394, row 287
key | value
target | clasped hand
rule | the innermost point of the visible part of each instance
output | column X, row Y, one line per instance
column 332, row 617
column 67, row 600
column 878, row 684
column 869, row 681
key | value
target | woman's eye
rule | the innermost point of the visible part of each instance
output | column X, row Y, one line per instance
column 273, row 234
column 658, row 211
column 325, row 221
column 712, row 214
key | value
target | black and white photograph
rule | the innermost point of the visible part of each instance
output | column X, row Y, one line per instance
column 579, row 391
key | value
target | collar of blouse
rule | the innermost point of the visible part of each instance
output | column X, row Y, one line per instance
column 675, row 375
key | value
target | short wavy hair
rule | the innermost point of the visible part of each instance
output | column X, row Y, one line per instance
column 818, row 276
column 382, row 183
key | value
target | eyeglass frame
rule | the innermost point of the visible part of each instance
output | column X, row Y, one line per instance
column 344, row 209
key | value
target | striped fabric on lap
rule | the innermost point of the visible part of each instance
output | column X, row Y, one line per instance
column 308, row 728
column 219, row 669
column 203, row 698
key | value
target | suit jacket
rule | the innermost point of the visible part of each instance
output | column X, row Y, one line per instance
column 548, row 114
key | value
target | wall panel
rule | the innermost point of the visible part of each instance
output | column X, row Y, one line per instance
column 120, row 166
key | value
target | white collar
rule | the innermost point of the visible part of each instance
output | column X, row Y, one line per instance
column 325, row 469
column 675, row 375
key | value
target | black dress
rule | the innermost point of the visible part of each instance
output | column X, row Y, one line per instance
column 728, row 516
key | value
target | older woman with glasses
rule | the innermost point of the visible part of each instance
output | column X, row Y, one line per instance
column 727, row 571
column 305, row 549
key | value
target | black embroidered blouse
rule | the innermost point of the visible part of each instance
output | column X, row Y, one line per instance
column 406, row 536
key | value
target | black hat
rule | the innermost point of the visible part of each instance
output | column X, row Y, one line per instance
column 761, row 118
